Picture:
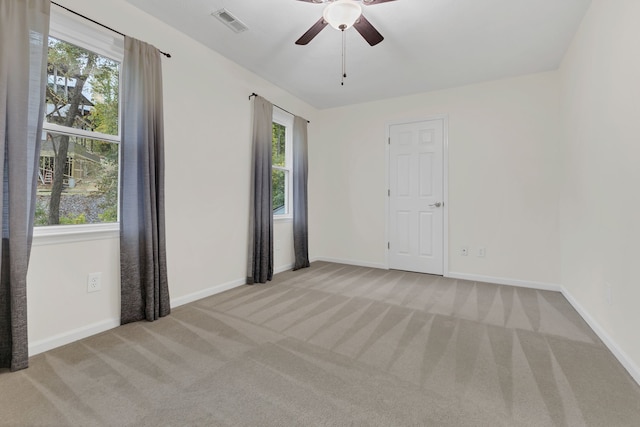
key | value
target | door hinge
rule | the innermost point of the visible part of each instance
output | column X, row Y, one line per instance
column 389, row 193
column 389, row 140
column 388, row 245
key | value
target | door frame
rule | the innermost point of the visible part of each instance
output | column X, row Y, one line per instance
column 445, row 183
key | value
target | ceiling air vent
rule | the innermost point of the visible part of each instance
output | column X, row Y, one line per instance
column 229, row 20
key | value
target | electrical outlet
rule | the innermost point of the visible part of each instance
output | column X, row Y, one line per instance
column 464, row 251
column 482, row 252
column 94, row 283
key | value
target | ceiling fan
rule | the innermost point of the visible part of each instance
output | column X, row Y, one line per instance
column 342, row 15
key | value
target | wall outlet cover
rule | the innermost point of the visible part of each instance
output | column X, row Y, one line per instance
column 94, row 282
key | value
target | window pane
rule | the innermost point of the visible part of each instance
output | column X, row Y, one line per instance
column 278, row 143
column 77, row 181
column 82, row 89
column 279, row 191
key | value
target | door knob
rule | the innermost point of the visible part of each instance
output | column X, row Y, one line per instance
column 436, row 205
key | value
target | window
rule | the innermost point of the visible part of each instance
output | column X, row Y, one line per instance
column 79, row 157
column 281, row 164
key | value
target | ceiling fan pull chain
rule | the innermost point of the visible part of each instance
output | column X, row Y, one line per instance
column 344, row 57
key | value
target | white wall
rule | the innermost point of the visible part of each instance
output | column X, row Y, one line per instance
column 207, row 137
column 57, row 299
column 600, row 200
column 503, row 170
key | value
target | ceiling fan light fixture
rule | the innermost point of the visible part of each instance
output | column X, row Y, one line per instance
column 342, row 14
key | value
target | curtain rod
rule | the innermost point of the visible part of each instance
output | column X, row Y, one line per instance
column 168, row 55
column 286, row 111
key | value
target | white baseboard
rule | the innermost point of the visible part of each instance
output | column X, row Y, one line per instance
column 622, row 357
column 186, row 299
column 68, row 337
column 351, row 262
column 283, row 268
column 506, row 281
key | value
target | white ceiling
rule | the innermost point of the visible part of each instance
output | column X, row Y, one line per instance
column 429, row 44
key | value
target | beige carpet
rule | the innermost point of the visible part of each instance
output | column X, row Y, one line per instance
column 336, row 345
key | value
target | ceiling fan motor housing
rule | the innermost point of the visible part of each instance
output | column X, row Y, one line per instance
column 342, row 14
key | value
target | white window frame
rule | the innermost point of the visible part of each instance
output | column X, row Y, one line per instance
column 286, row 120
column 70, row 28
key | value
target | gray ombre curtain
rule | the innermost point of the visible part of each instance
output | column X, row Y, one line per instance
column 300, row 178
column 24, row 29
column 143, row 265
column 260, row 265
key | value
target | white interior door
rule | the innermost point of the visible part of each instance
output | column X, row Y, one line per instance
column 416, row 190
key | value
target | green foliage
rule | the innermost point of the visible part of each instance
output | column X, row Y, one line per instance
column 73, row 65
column 69, row 67
column 104, row 117
column 69, row 60
column 278, row 145
column 107, row 183
column 110, row 214
column 71, row 219
column 278, row 158
column 41, row 215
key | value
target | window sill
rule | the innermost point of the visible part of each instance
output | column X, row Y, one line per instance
column 283, row 218
column 59, row 234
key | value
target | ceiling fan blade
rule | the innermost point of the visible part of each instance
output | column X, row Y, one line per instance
column 369, row 2
column 312, row 32
column 366, row 30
